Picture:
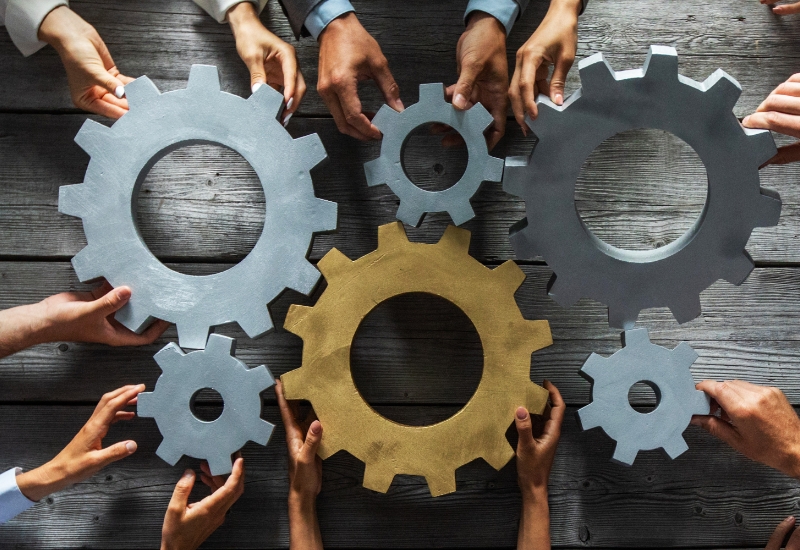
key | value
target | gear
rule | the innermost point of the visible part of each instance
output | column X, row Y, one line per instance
column 121, row 157
column 608, row 103
column 388, row 167
column 398, row 267
column 667, row 372
column 172, row 400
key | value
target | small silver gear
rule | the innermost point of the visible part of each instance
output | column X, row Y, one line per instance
column 667, row 372
column 183, row 375
column 415, row 202
column 608, row 103
column 121, row 157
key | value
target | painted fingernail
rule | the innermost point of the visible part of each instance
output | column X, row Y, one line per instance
column 256, row 86
column 286, row 120
column 522, row 413
column 460, row 101
column 120, row 91
column 130, row 446
column 289, row 103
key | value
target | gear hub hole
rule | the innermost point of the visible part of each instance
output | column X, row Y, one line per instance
column 644, row 396
column 429, row 164
column 416, row 348
column 213, row 195
column 641, row 190
column 207, row 404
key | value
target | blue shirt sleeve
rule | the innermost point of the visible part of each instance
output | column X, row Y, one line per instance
column 12, row 501
column 325, row 12
column 505, row 11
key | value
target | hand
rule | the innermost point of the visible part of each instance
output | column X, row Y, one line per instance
column 757, row 421
column 783, row 9
column 186, row 525
column 95, row 83
column 305, row 474
column 85, row 455
column 348, row 54
column 553, row 43
column 781, row 532
column 483, row 71
column 780, row 112
column 270, row 60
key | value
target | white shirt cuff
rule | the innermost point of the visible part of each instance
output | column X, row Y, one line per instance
column 23, row 19
column 218, row 9
column 12, row 501
column 325, row 12
column 505, row 11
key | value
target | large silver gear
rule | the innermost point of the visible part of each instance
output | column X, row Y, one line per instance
column 608, row 103
column 415, row 202
column 667, row 371
column 121, row 157
column 171, row 403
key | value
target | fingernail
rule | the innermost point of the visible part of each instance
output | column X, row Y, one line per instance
column 289, row 103
column 130, row 446
column 188, row 473
column 123, row 293
column 522, row 413
column 256, row 86
column 120, row 91
column 559, row 99
column 316, row 427
column 745, row 119
column 399, row 104
column 460, row 101
column 286, row 120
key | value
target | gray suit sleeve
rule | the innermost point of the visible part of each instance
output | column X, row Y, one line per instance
column 296, row 12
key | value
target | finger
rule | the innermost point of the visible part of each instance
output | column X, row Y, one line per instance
column 100, row 107
column 724, row 393
column 557, row 410
column 559, row 79
column 786, row 9
column 718, row 428
column 107, row 80
column 115, row 452
column 313, row 438
column 778, row 122
column 517, row 107
column 106, row 413
column 386, row 84
column 466, row 82
column 498, row 128
column 294, row 102
column 153, row 332
column 123, row 415
column 223, row 498
column 527, row 85
column 107, row 397
column 775, row 541
column 289, row 68
column 335, row 107
column 112, row 301
column 290, row 424
column 351, row 110
column 786, row 154
column 209, row 482
column 100, row 291
column 789, row 88
column 524, row 427
column 180, row 496
column 794, row 540
column 781, row 103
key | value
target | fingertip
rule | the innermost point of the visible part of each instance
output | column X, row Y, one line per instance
column 188, row 474
column 315, row 428
column 119, row 91
column 289, row 104
column 123, row 292
column 521, row 413
column 746, row 120
column 286, row 120
column 460, row 102
column 255, row 87
column 131, row 447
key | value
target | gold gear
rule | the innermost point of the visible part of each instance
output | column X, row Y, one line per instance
column 399, row 267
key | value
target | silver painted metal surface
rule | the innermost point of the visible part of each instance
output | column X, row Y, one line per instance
column 121, row 157
column 415, row 202
column 667, row 372
column 608, row 103
column 183, row 375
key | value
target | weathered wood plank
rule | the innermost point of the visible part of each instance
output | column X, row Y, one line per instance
column 710, row 496
column 419, row 352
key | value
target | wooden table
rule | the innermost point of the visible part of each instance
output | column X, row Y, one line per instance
column 415, row 359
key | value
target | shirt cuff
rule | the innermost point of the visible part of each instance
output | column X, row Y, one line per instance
column 218, row 9
column 23, row 19
column 505, row 11
column 325, row 12
column 12, row 501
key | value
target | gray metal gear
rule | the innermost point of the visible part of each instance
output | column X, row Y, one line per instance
column 608, row 103
column 121, row 157
column 667, row 372
column 388, row 167
column 171, row 403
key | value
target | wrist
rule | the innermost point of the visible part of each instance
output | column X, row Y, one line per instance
column 302, row 502
column 242, row 13
column 53, row 28
column 534, row 494
column 566, row 7
column 22, row 327
column 42, row 481
column 342, row 24
column 479, row 18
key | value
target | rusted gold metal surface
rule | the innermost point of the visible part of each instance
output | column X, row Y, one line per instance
column 446, row 270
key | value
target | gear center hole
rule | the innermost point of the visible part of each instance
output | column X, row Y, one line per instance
column 215, row 198
column 641, row 190
column 644, row 396
column 428, row 163
column 207, row 404
column 416, row 348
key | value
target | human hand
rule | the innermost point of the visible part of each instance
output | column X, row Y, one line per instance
column 270, row 60
column 186, row 525
column 781, row 532
column 783, row 9
column 757, row 421
column 85, row 455
column 554, row 42
column 348, row 54
column 780, row 112
column 483, row 71
column 95, row 83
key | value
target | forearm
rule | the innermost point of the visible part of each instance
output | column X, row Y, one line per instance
column 21, row 327
column 571, row 7
column 534, row 521
column 304, row 533
column 42, row 481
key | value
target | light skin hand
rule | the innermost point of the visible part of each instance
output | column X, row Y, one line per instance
column 536, row 450
column 85, row 455
column 781, row 532
column 269, row 59
column 187, row 526
column 757, row 421
column 483, row 72
column 95, row 83
column 780, row 112
column 783, row 9
column 554, row 42
column 73, row 317
column 305, row 474
column 347, row 55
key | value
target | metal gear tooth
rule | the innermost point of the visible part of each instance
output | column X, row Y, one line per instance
column 769, row 208
column 521, row 242
column 456, row 238
column 305, row 277
column 261, row 377
column 192, row 334
column 624, row 455
column 635, row 337
column 685, row 354
column 593, row 367
column 376, row 172
column 460, row 213
column 499, row 455
column 256, row 325
column 261, row 432
column 410, row 214
column 85, row 265
column 675, row 447
column 94, row 137
column 203, row 79
column 723, row 90
column 333, row 264
column 596, row 74
column 169, row 357
column 145, row 403
column 294, row 320
column 738, row 268
column 385, row 118
column 763, row 146
column 72, row 200
column 221, row 345
column 701, row 403
column 139, row 93
column 563, row 291
column 219, row 464
column 378, row 477
column 661, row 63
column 325, row 216
column 432, row 92
column 310, row 150
column 510, row 275
column 588, row 417
column 269, row 100
column 686, row 308
column 515, row 181
column 441, row 484
column 494, row 170
column 623, row 316
column 134, row 317
column 479, row 119
column 169, row 453
column 391, row 235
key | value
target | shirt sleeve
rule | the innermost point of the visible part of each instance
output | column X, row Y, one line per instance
column 505, row 11
column 325, row 12
column 23, row 18
column 218, row 9
column 12, row 501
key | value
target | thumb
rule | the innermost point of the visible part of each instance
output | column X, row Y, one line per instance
column 112, row 301
column 463, row 89
column 524, row 427
column 105, row 79
column 558, row 80
column 180, row 496
column 786, row 154
column 115, row 452
column 313, row 438
column 718, row 428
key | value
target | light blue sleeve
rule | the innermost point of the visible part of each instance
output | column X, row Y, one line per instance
column 325, row 12
column 12, row 501
column 505, row 11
